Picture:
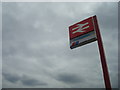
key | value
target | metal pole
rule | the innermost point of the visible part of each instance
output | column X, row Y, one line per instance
column 102, row 55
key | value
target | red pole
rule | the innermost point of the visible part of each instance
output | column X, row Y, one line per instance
column 102, row 55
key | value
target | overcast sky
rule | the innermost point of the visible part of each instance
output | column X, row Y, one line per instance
column 36, row 51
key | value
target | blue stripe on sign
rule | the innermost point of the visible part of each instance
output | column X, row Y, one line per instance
column 83, row 36
column 87, row 36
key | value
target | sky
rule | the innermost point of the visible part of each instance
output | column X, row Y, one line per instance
column 36, row 51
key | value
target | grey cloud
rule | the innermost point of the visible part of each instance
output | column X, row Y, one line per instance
column 13, row 78
column 69, row 78
column 26, row 80
column 108, row 15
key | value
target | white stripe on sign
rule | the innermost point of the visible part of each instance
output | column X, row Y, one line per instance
column 80, row 28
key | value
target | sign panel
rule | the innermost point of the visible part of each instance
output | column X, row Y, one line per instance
column 81, row 28
column 82, row 33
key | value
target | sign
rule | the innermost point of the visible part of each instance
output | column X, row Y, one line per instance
column 82, row 33
column 85, row 32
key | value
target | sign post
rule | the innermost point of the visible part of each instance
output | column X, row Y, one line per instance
column 85, row 32
column 102, row 55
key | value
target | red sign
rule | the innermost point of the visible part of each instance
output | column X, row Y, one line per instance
column 81, row 28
